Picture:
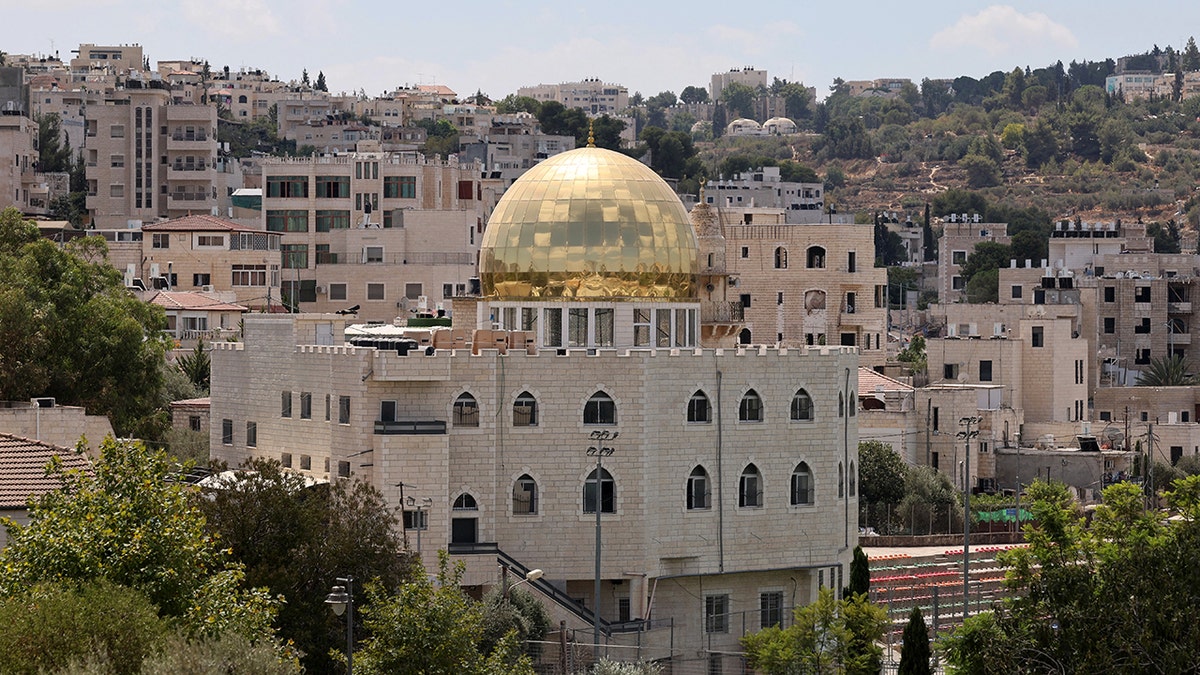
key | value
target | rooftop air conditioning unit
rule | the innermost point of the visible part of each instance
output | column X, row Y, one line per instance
column 320, row 290
column 207, row 288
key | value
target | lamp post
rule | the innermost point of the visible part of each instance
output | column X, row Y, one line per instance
column 1018, row 477
column 531, row 575
column 599, row 451
column 341, row 601
column 966, row 436
column 420, row 523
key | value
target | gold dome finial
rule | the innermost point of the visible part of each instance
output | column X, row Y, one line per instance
column 591, row 134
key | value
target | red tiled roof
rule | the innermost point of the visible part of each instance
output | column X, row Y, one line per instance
column 870, row 381
column 23, row 469
column 191, row 300
column 198, row 223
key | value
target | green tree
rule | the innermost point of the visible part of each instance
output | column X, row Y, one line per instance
column 514, row 104
column 1191, row 56
column 1041, row 145
column 794, row 172
column 797, row 100
column 914, row 355
column 860, row 573
column 827, row 637
column 981, row 171
column 692, row 94
column 53, row 154
column 846, row 139
column 988, row 255
column 304, row 77
column 915, row 655
column 738, row 99
column 1030, row 245
column 320, row 85
column 196, row 366
column 984, row 287
column 1168, row 371
column 47, row 293
column 428, row 627
column 133, row 523
column 518, row 612
column 294, row 539
column 881, row 470
column 52, row 625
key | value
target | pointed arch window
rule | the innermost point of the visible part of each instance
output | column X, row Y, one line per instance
column 853, row 480
column 525, row 496
column 841, row 404
column 465, row 502
column 841, row 480
column 600, row 409
column 750, row 409
column 750, row 492
column 525, row 410
column 466, row 411
column 781, row 258
column 802, row 406
column 698, row 495
column 605, row 487
column 802, row 485
column 699, row 408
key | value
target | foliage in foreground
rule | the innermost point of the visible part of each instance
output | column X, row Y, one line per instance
column 1121, row 595
column 130, row 523
column 828, row 637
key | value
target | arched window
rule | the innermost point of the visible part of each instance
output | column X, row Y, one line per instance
column 607, row 490
column 600, row 409
column 750, row 409
column 465, row 502
column 697, row 489
column 242, row 98
column 841, row 404
column 699, row 410
column 802, row 485
column 744, row 337
column 525, row 410
column 524, row 496
column 781, row 258
column 750, row 494
column 816, row 258
column 841, row 481
column 802, row 407
column 466, row 411
column 853, row 482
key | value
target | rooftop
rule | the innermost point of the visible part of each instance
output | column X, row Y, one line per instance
column 193, row 301
column 198, row 223
column 23, row 469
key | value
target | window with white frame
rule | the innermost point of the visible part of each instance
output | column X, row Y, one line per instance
column 600, row 409
column 698, row 494
column 750, row 488
column 802, row 485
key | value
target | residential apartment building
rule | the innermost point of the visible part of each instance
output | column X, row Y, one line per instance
column 960, row 234
column 511, row 145
column 747, row 76
column 764, row 187
column 373, row 229
column 149, row 158
column 592, row 95
column 105, row 59
column 598, row 345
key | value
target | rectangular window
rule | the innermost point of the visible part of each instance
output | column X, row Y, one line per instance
column 716, row 613
column 117, row 161
column 337, row 291
column 770, row 609
column 958, row 257
column 935, row 420
column 949, row 371
column 1017, row 292
column 416, row 520
column 745, row 251
column 343, row 469
column 306, row 405
column 1143, row 326
column 1110, row 324
column 851, row 262
column 285, row 404
column 577, row 327
column 227, row 432
column 333, row 187
column 1141, row 294
column 295, row 256
column 466, row 190
column 745, row 300
column 194, row 422
column 286, row 459
column 328, row 398
column 160, row 240
column 210, row 241
column 249, row 275
column 1038, row 337
column 1141, row 357
column 956, row 283
column 375, row 291
column 641, row 327
column 1110, row 294
column 305, row 462
column 849, row 339
column 251, row 434
column 332, row 220
column 343, row 410
column 116, row 131
column 287, row 220
column 400, row 187
column 553, row 328
column 985, row 371
column 287, row 186
column 413, row 291
column 1105, row 415
column 373, row 254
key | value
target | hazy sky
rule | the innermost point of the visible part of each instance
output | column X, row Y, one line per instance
column 647, row 45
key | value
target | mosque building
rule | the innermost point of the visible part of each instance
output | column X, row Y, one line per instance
column 726, row 487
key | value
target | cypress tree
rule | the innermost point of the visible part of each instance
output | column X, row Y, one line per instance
column 860, row 573
column 915, row 654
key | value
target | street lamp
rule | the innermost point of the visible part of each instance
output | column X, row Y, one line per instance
column 966, row 436
column 531, row 575
column 599, row 451
column 419, row 521
column 341, row 601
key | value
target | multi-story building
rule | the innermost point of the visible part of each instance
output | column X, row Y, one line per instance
column 511, row 145
column 373, row 229
column 764, row 187
column 592, row 95
column 960, row 234
column 806, row 284
column 593, row 262
column 747, row 76
column 105, row 59
column 148, row 158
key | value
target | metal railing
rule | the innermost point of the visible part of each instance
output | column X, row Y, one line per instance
column 409, row 427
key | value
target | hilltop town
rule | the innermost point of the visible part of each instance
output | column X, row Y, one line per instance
column 693, row 320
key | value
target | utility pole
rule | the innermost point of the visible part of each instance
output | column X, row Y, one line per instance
column 966, row 436
column 599, row 450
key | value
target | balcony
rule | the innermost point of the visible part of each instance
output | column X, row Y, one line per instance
column 409, row 427
column 189, row 171
column 427, row 258
column 721, row 312
column 190, row 200
column 196, row 142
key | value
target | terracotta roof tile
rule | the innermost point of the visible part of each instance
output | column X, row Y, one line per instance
column 23, row 469
column 193, row 301
column 198, row 223
column 870, row 381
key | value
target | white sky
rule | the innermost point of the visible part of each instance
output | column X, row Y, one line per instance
column 648, row 46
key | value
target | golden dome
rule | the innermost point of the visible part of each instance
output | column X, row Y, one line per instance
column 589, row 223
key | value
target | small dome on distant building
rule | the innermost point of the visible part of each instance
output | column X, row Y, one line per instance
column 779, row 125
column 743, row 127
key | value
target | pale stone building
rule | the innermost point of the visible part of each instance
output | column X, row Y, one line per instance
column 592, row 95
column 729, row 475
column 748, row 76
column 960, row 234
